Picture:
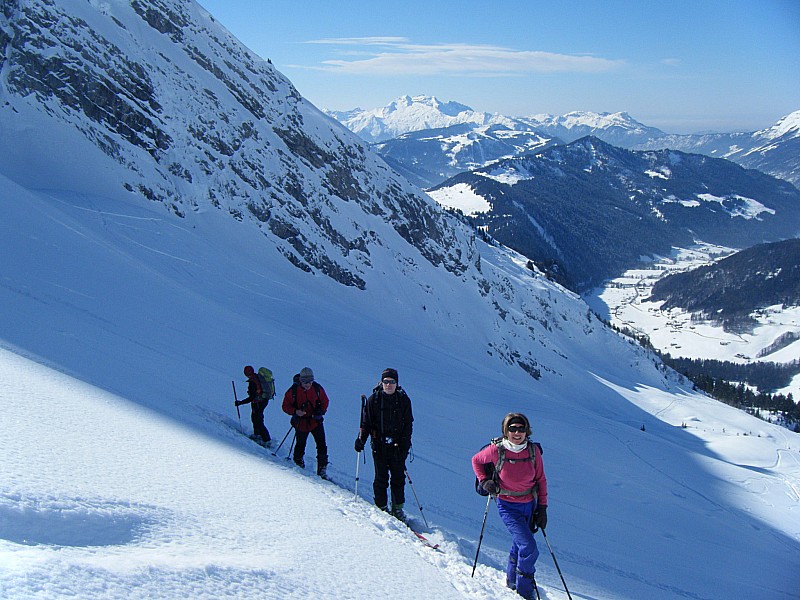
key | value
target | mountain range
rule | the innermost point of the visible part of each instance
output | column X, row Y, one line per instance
column 173, row 209
column 773, row 150
column 586, row 211
column 428, row 141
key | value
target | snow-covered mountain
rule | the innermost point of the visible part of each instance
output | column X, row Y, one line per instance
column 432, row 156
column 196, row 121
column 593, row 209
column 774, row 150
column 428, row 141
column 618, row 129
column 174, row 210
column 408, row 114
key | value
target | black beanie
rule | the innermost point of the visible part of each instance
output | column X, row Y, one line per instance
column 517, row 421
column 390, row 374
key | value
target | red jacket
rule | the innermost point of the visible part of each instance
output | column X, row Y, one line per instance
column 314, row 402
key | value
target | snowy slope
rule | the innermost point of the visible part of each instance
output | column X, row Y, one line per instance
column 104, row 499
column 153, row 316
column 147, row 309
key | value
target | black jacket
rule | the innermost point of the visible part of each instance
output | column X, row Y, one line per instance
column 388, row 419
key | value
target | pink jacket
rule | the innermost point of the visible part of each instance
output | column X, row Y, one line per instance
column 514, row 477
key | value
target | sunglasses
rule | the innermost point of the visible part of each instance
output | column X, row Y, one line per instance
column 389, row 381
column 516, row 429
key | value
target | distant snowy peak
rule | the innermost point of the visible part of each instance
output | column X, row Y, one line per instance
column 618, row 128
column 452, row 109
column 773, row 150
column 788, row 126
column 576, row 119
column 408, row 114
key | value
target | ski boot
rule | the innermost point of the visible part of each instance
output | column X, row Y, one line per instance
column 398, row 513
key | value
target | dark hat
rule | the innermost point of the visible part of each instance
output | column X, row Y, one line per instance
column 390, row 374
column 306, row 375
column 248, row 370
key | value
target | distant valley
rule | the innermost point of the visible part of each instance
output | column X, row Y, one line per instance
column 604, row 200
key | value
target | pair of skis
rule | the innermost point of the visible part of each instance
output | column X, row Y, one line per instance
column 425, row 540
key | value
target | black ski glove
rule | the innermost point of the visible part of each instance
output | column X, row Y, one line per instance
column 359, row 445
column 490, row 486
column 405, row 447
column 238, row 403
column 539, row 518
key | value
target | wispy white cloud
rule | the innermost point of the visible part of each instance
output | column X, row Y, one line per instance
column 671, row 62
column 362, row 41
column 398, row 56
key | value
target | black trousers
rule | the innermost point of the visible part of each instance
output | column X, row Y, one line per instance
column 319, row 439
column 390, row 462
column 257, row 417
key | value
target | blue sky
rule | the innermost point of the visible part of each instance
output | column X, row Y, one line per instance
column 683, row 66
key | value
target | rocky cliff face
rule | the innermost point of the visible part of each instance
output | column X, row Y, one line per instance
column 186, row 116
column 154, row 101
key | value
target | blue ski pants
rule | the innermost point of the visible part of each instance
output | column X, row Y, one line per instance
column 519, row 573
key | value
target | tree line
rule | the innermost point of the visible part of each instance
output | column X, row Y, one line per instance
column 744, row 386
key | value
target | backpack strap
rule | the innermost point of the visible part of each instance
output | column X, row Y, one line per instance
column 314, row 384
column 501, row 451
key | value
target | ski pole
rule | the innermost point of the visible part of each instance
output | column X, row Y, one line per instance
column 283, row 440
column 411, row 483
column 294, row 437
column 556, row 564
column 236, row 402
column 480, row 540
column 358, row 461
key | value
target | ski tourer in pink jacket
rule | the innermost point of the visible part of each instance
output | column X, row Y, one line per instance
column 511, row 470
column 523, row 477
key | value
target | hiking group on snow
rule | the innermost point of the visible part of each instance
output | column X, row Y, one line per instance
column 508, row 470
